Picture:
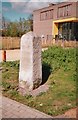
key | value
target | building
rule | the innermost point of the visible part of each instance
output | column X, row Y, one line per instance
column 57, row 20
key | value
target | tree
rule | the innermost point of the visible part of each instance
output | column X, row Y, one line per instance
column 30, row 19
column 17, row 28
column 5, row 23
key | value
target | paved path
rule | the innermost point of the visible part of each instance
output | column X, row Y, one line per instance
column 13, row 109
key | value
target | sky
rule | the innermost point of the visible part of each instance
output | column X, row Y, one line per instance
column 14, row 9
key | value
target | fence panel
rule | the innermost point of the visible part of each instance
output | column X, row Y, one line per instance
column 14, row 42
column 10, row 43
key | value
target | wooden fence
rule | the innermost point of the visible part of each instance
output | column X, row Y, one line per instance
column 10, row 43
column 65, row 43
column 14, row 43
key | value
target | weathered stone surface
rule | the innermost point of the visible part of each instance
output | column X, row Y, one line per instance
column 30, row 74
column 40, row 90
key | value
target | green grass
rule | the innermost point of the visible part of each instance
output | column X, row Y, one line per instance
column 61, row 96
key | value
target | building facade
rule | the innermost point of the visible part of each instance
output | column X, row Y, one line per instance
column 57, row 20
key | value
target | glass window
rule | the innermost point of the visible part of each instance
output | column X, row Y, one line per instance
column 68, row 30
column 51, row 14
column 46, row 15
column 64, row 11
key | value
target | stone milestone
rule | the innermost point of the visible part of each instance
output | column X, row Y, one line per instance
column 30, row 73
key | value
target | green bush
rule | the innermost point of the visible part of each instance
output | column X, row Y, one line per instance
column 58, row 57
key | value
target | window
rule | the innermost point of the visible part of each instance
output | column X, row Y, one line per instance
column 64, row 11
column 46, row 15
column 68, row 30
column 51, row 14
column 42, row 16
column 69, row 9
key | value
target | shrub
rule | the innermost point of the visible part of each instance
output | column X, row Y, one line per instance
column 58, row 57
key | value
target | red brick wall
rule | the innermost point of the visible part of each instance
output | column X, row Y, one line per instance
column 45, row 27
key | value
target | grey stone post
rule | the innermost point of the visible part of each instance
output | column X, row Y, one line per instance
column 30, row 73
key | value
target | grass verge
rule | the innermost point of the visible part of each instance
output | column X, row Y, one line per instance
column 61, row 96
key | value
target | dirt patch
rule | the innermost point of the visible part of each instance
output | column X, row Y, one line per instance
column 69, row 114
